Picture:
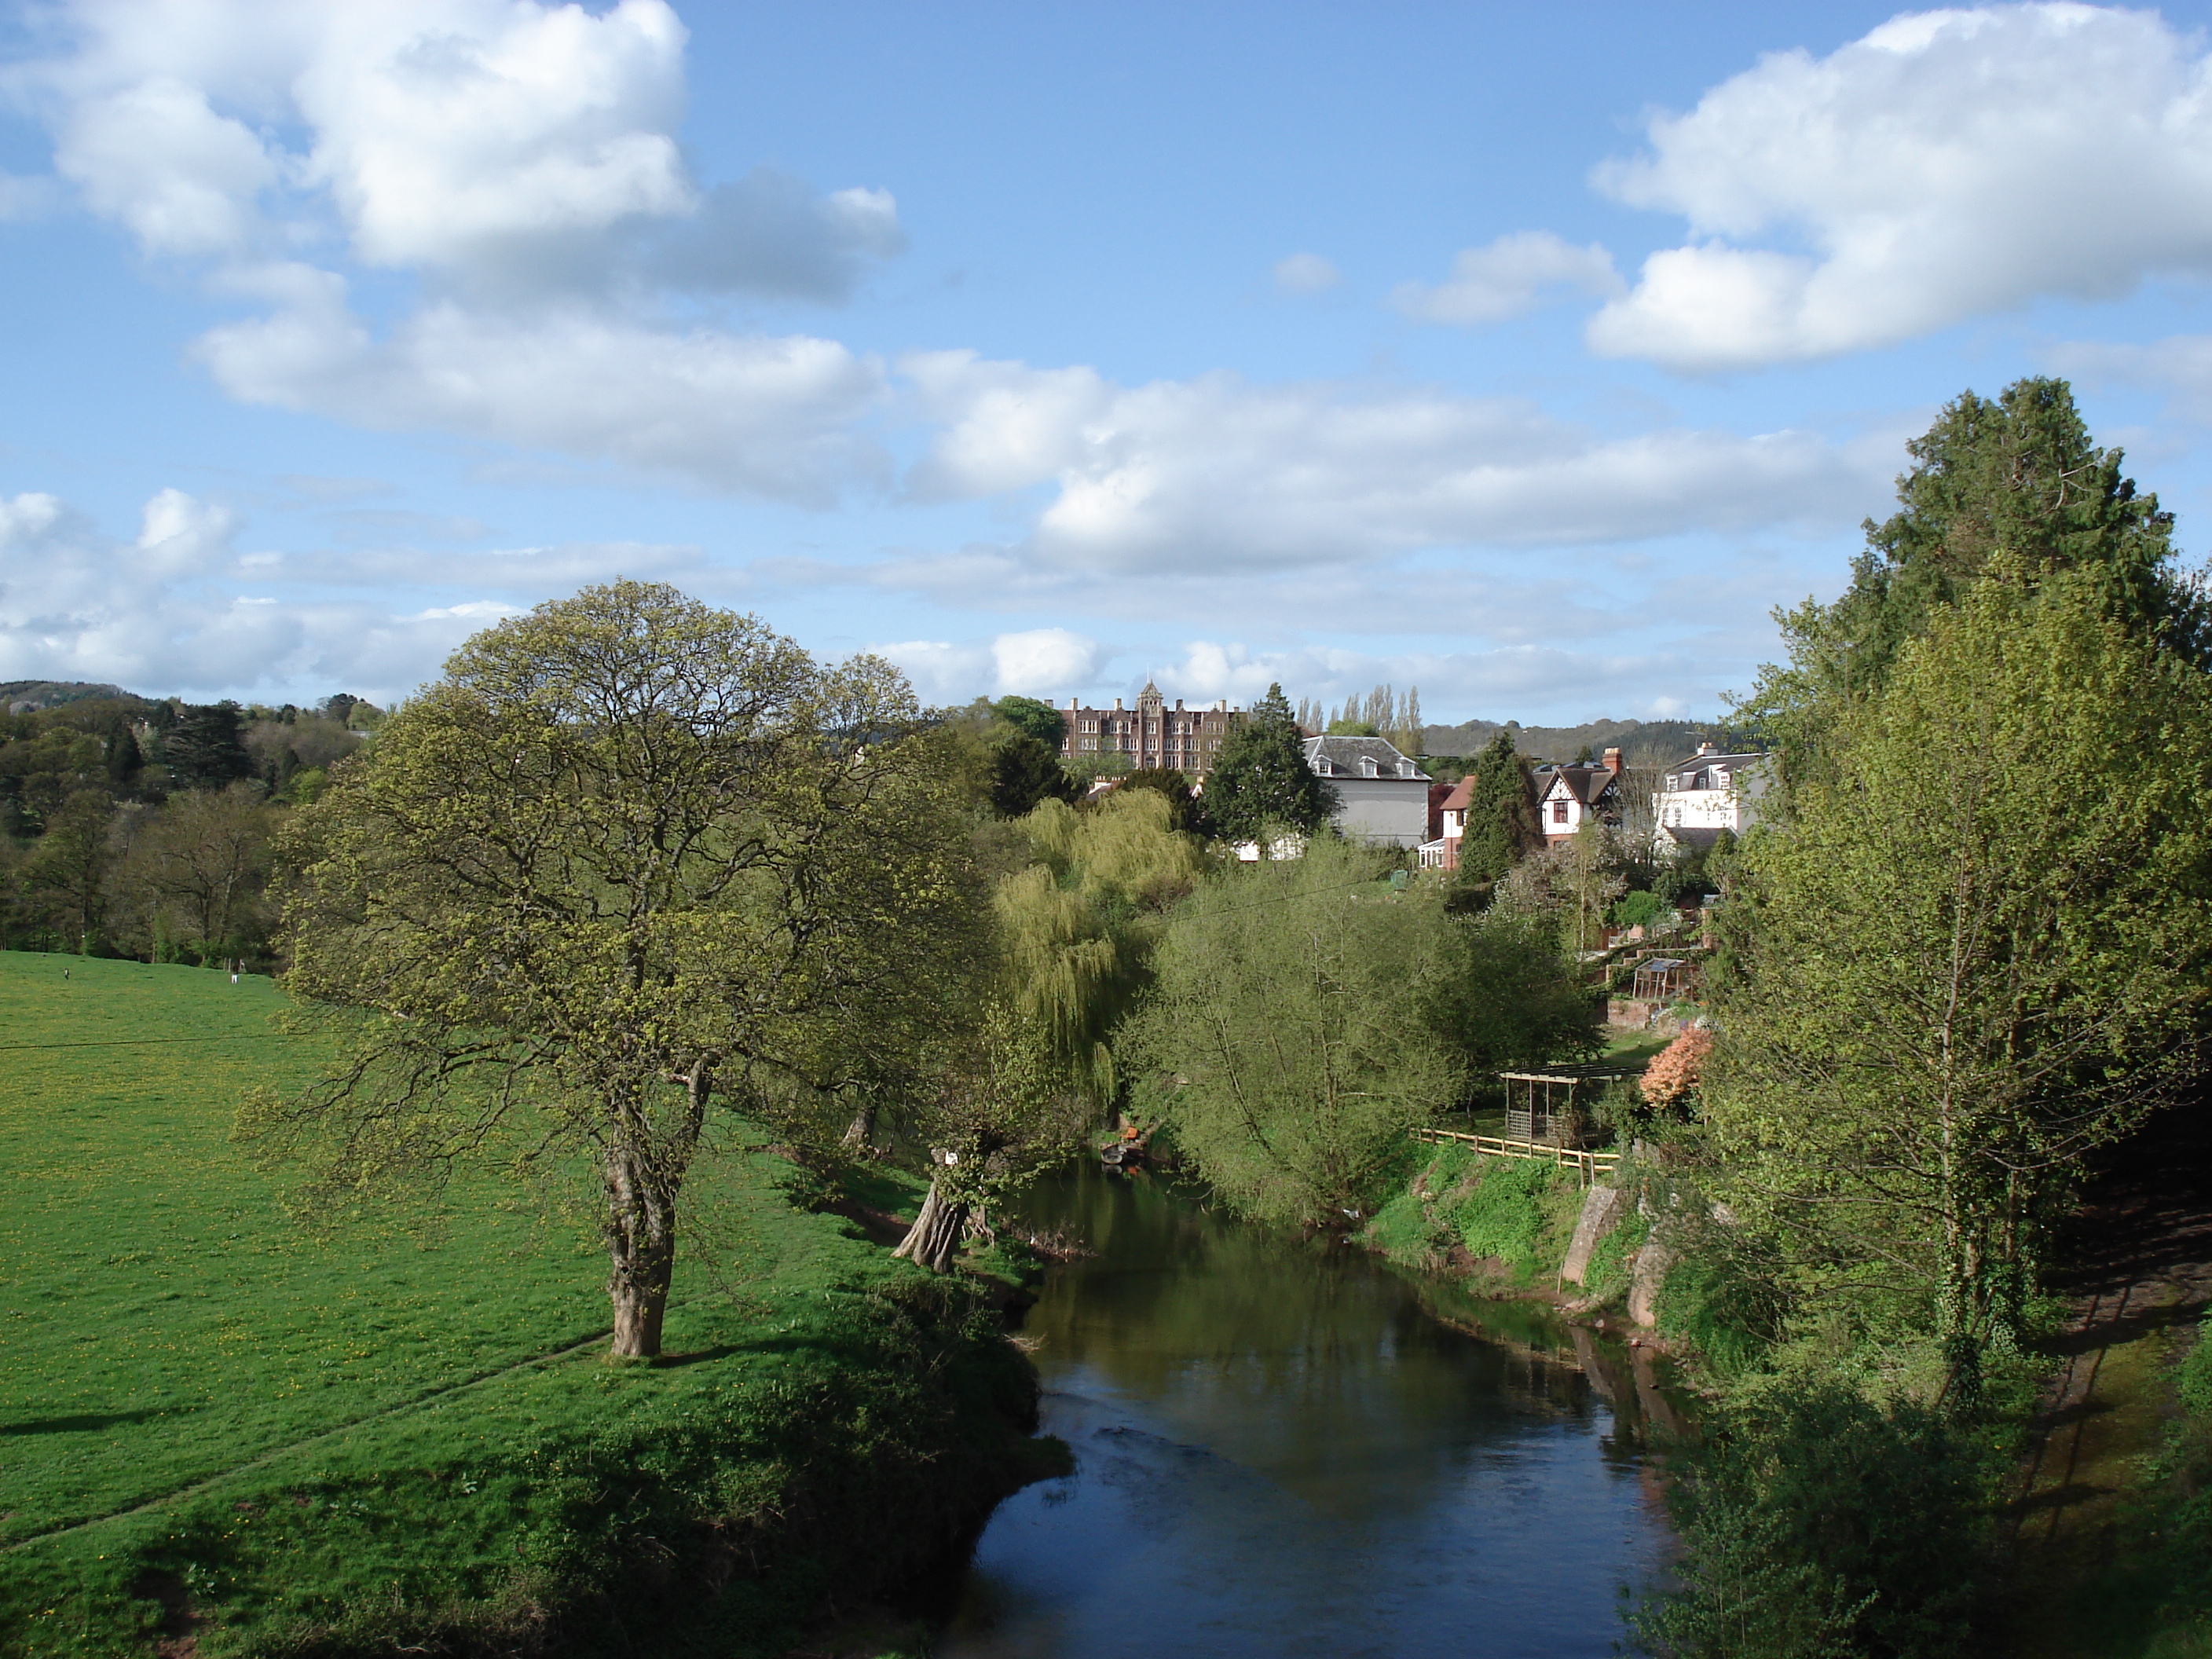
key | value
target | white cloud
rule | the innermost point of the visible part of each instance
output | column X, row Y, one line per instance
column 78, row 606
column 449, row 133
column 1038, row 662
column 1219, row 474
column 769, row 233
column 1508, row 276
column 1535, row 682
column 177, row 610
column 522, row 158
column 1948, row 165
column 437, row 132
column 182, row 536
column 182, row 178
column 495, row 145
column 1307, row 273
column 768, row 416
column 1043, row 660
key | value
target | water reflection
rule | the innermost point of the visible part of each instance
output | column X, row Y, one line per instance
column 1282, row 1448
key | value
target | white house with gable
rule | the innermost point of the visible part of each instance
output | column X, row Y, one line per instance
column 1707, row 793
column 1568, row 795
column 1381, row 796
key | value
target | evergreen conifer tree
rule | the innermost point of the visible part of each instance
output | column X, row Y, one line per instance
column 204, row 748
column 1501, row 812
column 1261, row 781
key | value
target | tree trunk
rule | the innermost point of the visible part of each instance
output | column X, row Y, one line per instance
column 936, row 1231
column 642, row 1252
column 860, row 1133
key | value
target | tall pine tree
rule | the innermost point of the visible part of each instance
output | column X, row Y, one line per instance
column 2015, row 489
column 1262, row 781
column 1501, row 812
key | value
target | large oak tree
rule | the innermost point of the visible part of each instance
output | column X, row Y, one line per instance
column 628, row 856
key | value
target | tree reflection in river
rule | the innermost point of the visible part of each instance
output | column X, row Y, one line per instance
column 1280, row 1451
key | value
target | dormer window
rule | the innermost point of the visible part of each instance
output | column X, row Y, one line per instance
column 1367, row 767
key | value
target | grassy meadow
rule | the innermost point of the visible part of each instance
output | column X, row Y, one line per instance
column 219, row 1429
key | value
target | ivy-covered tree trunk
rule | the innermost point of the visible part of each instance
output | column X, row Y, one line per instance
column 937, row 1231
column 640, row 1253
column 643, row 1171
column 860, row 1133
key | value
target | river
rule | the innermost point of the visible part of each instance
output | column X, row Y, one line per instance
column 1282, row 1447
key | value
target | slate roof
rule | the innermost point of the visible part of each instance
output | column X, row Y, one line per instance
column 1343, row 756
column 1586, row 783
column 1688, row 768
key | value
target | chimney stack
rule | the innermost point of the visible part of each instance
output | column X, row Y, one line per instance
column 1613, row 762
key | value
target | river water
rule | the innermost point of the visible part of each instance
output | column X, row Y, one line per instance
column 1282, row 1447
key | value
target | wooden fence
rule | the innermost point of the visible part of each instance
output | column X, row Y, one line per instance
column 1592, row 1165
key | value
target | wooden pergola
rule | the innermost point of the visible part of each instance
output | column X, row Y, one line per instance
column 1662, row 979
column 1541, row 1107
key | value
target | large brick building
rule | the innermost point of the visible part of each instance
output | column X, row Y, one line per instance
column 1151, row 733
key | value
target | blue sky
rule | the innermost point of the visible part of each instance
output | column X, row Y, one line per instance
column 1527, row 355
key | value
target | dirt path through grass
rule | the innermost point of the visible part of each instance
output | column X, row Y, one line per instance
column 2139, row 1278
column 209, row 1482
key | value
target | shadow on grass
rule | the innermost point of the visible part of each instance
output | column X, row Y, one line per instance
column 91, row 1422
column 720, row 1351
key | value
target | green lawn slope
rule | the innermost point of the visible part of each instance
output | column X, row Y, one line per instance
column 221, row 1434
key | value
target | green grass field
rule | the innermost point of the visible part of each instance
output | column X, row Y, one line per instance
column 215, row 1424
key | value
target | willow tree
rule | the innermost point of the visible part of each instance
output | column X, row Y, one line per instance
column 1977, row 949
column 627, row 857
column 1290, row 1025
column 1073, row 933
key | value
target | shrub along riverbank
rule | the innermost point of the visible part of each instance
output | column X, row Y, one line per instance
column 223, row 1431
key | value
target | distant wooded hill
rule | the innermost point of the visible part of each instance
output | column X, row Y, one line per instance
column 1641, row 742
column 28, row 696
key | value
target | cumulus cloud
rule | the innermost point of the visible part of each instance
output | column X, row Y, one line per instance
column 770, row 416
column 521, row 158
column 1036, row 662
column 1307, row 273
column 1219, row 470
column 451, row 134
column 1044, row 659
column 1947, row 165
column 180, row 535
column 178, row 609
column 74, row 604
column 768, row 233
column 1508, row 276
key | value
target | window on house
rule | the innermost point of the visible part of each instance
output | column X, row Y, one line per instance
column 1558, row 812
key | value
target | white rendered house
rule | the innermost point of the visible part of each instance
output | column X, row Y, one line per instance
column 1381, row 796
column 1706, row 793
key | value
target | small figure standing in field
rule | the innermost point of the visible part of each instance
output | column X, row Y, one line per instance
column 235, row 967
